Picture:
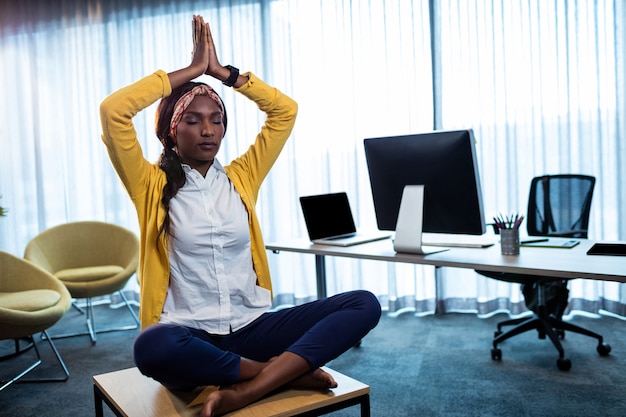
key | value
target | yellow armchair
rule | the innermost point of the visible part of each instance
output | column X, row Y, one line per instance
column 31, row 301
column 92, row 259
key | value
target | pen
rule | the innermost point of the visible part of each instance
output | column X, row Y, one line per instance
column 508, row 222
column 534, row 241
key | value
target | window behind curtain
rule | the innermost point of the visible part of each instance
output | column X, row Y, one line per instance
column 541, row 83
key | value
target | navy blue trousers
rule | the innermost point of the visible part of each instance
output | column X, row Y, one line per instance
column 184, row 358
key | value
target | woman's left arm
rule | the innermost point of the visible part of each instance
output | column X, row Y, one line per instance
column 253, row 166
column 281, row 111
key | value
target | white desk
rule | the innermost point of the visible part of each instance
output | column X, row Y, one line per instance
column 550, row 262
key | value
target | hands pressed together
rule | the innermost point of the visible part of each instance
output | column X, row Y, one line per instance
column 203, row 57
column 204, row 54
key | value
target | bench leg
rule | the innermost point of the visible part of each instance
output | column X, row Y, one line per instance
column 365, row 406
column 98, row 399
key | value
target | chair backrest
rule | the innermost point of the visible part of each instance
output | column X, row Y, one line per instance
column 559, row 205
column 83, row 244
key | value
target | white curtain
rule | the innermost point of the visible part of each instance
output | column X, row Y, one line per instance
column 541, row 83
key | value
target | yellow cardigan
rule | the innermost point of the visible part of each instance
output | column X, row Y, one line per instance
column 144, row 180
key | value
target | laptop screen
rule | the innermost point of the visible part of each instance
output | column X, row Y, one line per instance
column 327, row 215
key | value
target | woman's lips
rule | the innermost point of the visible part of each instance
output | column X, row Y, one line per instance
column 207, row 146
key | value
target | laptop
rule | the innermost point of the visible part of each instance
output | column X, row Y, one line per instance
column 329, row 221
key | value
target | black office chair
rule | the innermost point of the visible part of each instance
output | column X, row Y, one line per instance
column 558, row 206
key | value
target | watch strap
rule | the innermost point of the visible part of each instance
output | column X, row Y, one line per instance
column 232, row 79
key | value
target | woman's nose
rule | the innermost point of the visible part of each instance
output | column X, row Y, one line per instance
column 207, row 129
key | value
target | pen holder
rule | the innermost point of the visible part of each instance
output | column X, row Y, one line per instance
column 509, row 241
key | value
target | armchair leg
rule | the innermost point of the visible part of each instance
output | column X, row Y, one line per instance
column 92, row 331
column 33, row 344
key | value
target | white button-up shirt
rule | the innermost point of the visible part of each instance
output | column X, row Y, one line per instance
column 212, row 282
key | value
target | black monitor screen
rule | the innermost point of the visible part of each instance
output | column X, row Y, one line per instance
column 444, row 162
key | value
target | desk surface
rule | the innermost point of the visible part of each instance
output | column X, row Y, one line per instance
column 553, row 262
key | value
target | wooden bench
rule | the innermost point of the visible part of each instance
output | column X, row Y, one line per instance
column 130, row 394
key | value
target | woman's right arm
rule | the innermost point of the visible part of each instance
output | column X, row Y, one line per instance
column 118, row 110
column 118, row 131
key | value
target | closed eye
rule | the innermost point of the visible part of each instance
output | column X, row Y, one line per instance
column 191, row 119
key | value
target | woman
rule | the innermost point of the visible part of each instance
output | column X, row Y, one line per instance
column 205, row 283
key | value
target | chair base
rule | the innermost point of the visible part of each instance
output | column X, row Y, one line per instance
column 32, row 344
column 549, row 326
column 89, row 321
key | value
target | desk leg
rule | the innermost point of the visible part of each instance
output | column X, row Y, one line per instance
column 320, row 275
column 438, row 291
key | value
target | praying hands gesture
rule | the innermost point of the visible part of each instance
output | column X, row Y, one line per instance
column 203, row 58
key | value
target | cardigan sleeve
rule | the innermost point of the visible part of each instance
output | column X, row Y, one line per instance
column 118, row 132
column 281, row 111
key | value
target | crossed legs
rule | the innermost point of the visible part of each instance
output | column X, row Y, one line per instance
column 286, row 347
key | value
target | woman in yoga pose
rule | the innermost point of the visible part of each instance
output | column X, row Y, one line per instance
column 204, row 276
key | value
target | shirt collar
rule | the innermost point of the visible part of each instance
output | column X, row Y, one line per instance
column 215, row 165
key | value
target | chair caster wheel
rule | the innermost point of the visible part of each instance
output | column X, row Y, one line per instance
column 496, row 354
column 563, row 364
column 604, row 349
column 561, row 334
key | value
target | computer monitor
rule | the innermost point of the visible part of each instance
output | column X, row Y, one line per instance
column 444, row 164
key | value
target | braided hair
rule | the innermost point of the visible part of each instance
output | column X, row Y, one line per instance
column 169, row 161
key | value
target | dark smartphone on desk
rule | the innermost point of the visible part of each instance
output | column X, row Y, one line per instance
column 611, row 249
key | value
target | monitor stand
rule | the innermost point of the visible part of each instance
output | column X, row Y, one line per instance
column 409, row 225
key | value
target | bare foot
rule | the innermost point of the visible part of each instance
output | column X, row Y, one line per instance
column 211, row 404
column 317, row 379
column 224, row 400
column 279, row 372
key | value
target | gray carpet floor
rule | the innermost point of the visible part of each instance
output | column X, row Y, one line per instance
column 416, row 366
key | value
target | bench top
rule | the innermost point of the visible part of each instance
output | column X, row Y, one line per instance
column 135, row 395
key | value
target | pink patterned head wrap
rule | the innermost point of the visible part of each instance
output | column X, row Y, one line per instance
column 183, row 102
